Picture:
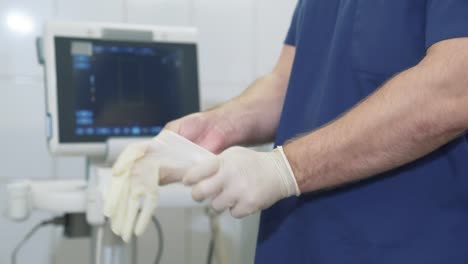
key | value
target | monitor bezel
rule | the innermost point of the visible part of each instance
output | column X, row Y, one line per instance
column 92, row 31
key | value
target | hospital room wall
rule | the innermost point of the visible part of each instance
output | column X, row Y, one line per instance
column 239, row 40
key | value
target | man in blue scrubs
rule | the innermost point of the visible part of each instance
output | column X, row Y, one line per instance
column 369, row 100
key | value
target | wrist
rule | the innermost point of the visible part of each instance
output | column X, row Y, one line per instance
column 291, row 155
column 285, row 172
column 227, row 120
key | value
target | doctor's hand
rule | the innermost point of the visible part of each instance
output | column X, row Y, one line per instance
column 242, row 180
column 138, row 172
column 206, row 129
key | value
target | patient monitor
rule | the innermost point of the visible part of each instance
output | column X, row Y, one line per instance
column 115, row 81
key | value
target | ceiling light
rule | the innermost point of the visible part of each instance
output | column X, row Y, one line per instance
column 19, row 23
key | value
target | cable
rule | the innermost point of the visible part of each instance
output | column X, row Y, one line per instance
column 212, row 215
column 215, row 246
column 211, row 246
column 157, row 224
column 55, row 221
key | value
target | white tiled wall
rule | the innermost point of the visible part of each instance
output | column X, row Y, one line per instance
column 22, row 135
column 90, row 10
column 239, row 40
column 226, row 40
column 272, row 23
column 17, row 51
column 160, row 12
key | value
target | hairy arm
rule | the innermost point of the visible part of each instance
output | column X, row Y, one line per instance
column 250, row 118
column 253, row 116
column 413, row 114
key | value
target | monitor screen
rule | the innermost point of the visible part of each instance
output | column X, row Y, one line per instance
column 122, row 89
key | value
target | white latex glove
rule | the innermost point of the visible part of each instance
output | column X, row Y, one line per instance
column 138, row 172
column 243, row 180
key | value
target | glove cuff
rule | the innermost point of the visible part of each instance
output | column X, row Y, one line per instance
column 288, row 175
column 178, row 142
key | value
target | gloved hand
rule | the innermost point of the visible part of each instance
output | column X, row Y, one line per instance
column 138, row 172
column 243, row 180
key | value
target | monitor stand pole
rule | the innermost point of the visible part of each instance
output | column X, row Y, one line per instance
column 106, row 247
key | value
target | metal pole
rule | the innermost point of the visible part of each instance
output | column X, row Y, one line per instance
column 107, row 248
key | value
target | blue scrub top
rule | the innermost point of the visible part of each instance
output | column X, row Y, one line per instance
column 345, row 50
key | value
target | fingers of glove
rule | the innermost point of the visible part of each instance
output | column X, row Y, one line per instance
column 119, row 214
column 118, row 219
column 201, row 171
column 150, row 204
column 113, row 194
column 131, row 215
column 128, row 157
column 208, row 188
column 240, row 210
column 223, row 201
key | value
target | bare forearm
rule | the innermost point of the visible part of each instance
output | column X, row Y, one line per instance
column 413, row 114
column 254, row 115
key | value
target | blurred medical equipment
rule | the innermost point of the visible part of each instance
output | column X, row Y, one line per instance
column 107, row 85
